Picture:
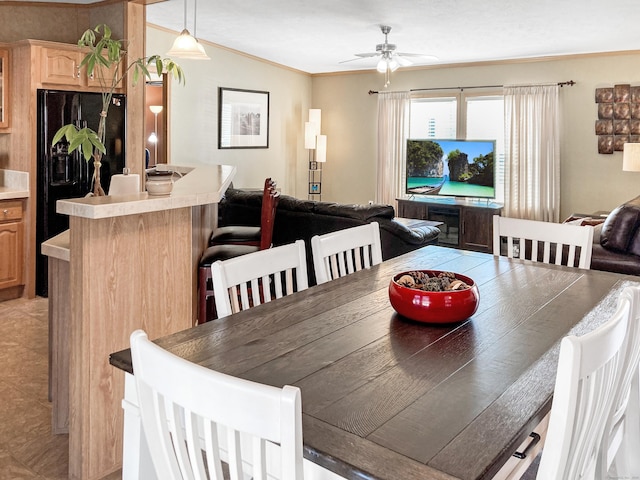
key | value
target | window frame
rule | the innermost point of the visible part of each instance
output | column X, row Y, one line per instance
column 461, row 96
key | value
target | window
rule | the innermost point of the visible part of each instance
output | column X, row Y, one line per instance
column 463, row 115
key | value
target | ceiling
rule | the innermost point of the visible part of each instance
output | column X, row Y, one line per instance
column 315, row 36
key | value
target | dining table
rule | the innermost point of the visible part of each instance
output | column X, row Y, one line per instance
column 388, row 398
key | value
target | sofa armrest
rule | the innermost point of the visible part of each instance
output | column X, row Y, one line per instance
column 422, row 235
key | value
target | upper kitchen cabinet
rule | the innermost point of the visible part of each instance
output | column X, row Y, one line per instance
column 60, row 65
column 4, row 88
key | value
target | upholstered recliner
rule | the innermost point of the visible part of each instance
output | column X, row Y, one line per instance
column 302, row 219
column 616, row 242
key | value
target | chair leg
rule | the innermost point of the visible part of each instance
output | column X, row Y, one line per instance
column 203, row 275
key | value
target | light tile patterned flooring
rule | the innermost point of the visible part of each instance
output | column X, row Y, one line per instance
column 28, row 449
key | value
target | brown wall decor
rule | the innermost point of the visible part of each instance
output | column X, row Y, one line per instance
column 618, row 117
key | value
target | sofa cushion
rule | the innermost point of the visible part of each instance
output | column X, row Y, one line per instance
column 620, row 227
column 611, row 261
column 364, row 213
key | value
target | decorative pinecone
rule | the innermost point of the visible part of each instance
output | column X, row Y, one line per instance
column 433, row 285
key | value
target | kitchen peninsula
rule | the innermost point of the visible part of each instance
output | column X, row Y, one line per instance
column 127, row 262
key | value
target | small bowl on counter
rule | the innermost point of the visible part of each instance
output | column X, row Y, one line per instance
column 159, row 182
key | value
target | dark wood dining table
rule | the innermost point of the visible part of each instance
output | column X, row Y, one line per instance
column 387, row 398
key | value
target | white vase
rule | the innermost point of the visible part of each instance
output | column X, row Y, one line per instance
column 159, row 182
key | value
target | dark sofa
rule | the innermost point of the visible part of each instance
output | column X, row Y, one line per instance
column 616, row 242
column 302, row 219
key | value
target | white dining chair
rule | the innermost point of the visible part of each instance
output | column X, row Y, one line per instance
column 589, row 368
column 343, row 252
column 622, row 433
column 250, row 280
column 187, row 409
column 526, row 238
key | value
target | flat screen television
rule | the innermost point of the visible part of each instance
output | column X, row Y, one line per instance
column 459, row 168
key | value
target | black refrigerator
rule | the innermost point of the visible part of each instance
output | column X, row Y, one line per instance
column 62, row 175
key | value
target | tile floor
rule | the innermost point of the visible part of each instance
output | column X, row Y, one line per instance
column 28, row 450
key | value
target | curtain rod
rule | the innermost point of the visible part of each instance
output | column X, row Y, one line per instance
column 570, row 83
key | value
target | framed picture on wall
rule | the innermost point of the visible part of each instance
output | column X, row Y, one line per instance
column 243, row 118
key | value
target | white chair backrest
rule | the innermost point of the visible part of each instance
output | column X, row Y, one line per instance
column 552, row 239
column 340, row 253
column 588, row 372
column 249, row 280
column 187, row 409
column 622, row 434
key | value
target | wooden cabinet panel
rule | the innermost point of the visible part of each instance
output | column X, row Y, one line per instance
column 409, row 209
column 4, row 88
column 94, row 80
column 61, row 67
column 11, row 244
column 477, row 228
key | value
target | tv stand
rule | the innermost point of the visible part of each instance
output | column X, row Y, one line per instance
column 466, row 224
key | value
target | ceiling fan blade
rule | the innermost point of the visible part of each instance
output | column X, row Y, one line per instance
column 426, row 57
column 353, row 59
column 403, row 61
column 367, row 55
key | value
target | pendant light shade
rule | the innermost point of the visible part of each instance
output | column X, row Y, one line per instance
column 186, row 45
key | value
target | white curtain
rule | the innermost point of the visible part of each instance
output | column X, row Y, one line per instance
column 393, row 127
column 532, row 163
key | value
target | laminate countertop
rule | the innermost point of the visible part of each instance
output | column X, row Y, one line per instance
column 202, row 185
column 13, row 184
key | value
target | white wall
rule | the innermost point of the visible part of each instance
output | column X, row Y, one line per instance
column 589, row 181
column 194, row 115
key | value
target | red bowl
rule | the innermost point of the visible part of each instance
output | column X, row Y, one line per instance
column 434, row 307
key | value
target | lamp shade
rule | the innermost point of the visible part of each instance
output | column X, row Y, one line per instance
column 321, row 148
column 186, row 46
column 155, row 109
column 315, row 116
column 310, row 132
column 631, row 157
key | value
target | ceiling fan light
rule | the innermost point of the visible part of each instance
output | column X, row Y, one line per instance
column 382, row 65
column 393, row 64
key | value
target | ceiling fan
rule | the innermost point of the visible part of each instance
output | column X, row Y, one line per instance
column 390, row 60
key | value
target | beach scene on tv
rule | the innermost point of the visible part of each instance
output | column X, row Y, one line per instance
column 461, row 168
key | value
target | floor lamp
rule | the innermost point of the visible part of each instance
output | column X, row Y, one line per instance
column 153, row 138
column 317, row 146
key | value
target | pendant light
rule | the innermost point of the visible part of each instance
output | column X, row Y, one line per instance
column 186, row 45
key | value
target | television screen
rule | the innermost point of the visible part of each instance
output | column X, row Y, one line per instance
column 460, row 168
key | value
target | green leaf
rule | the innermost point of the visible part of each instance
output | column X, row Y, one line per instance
column 67, row 131
column 91, row 63
column 87, row 150
column 76, row 142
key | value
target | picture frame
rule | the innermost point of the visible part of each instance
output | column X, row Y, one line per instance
column 313, row 165
column 243, row 118
column 315, row 188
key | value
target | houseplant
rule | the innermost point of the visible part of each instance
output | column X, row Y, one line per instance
column 105, row 59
